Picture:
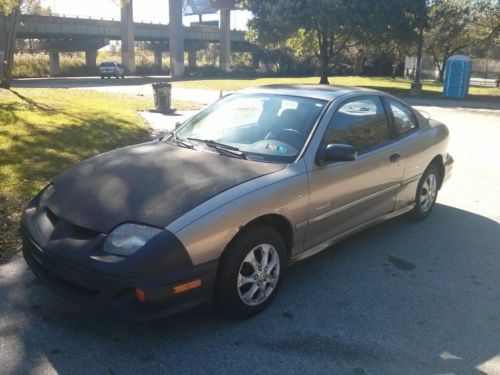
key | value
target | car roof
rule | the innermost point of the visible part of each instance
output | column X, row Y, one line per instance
column 323, row 92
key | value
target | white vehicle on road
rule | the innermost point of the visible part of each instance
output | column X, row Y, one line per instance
column 111, row 69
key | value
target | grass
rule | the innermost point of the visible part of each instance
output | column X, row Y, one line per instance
column 45, row 131
column 397, row 86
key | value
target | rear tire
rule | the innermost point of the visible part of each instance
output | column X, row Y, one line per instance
column 250, row 272
column 427, row 191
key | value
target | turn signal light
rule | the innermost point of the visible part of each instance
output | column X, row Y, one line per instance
column 140, row 295
column 184, row 287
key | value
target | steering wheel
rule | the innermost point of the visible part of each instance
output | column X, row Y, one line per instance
column 292, row 137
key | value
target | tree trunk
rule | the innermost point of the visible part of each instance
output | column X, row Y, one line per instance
column 442, row 69
column 396, row 63
column 358, row 63
column 420, row 46
column 324, row 61
column 441, row 74
column 10, row 22
column 324, row 58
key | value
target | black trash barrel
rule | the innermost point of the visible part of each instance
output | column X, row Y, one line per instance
column 162, row 92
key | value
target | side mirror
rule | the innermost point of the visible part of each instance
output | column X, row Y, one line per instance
column 178, row 124
column 336, row 153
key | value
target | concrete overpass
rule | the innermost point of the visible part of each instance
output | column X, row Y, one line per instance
column 71, row 34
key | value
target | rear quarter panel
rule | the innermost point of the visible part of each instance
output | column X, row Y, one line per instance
column 420, row 148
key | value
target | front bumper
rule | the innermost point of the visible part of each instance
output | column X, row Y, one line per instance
column 116, row 294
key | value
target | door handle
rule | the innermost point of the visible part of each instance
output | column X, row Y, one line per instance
column 395, row 157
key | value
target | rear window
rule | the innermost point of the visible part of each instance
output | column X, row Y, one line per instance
column 404, row 119
column 107, row 64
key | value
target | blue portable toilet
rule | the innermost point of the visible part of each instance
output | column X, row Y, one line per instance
column 456, row 82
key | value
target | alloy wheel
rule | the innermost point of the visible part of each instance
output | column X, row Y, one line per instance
column 428, row 192
column 258, row 275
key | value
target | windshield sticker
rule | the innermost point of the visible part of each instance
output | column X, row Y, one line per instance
column 278, row 149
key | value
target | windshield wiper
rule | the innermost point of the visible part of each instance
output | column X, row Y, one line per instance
column 183, row 143
column 233, row 153
column 213, row 143
column 222, row 148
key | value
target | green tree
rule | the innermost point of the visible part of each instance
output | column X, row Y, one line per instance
column 456, row 25
column 393, row 29
column 9, row 18
column 35, row 7
column 332, row 22
column 486, row 25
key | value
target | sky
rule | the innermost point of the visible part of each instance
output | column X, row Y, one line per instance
column 144, row 10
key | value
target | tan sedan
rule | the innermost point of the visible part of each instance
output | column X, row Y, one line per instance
column 219, row 208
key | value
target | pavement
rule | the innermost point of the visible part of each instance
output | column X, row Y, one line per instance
column 401, row 297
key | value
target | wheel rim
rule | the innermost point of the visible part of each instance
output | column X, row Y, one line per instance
column 428, row 192
column 258, row 275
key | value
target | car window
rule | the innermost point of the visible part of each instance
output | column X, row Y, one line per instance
column 404, row 119
column 360, row 123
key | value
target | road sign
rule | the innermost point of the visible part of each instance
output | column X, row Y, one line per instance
column 197, row 7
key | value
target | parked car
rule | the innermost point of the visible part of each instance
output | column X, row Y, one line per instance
column 111, row 69
column 220, row 208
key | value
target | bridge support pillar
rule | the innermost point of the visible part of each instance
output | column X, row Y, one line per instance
column 192, row 59
column 157, row 60
column 55, row 67
column 225, row 41
column 91, row 59
column 176, row 38
column 127, row 36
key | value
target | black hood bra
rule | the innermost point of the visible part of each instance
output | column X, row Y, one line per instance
column 152, row 183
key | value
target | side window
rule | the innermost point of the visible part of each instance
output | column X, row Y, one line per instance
column 404, row 119
column 360, row 123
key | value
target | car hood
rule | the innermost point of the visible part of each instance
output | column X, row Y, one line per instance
column 152, row 183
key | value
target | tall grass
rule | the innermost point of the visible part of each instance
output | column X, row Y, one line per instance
column 27, row 65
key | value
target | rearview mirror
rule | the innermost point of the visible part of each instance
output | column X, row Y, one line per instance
column 336, row 153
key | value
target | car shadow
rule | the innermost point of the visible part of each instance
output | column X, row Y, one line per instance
column 399, row 297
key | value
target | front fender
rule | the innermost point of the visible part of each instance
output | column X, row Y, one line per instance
column 206, row 232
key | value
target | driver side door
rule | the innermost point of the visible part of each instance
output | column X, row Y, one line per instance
column 344, row 195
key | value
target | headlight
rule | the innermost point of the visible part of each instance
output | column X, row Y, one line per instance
column 127, row 239
column 45, row 195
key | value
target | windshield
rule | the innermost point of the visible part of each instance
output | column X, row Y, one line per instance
column 263, row 127
column 107, row 64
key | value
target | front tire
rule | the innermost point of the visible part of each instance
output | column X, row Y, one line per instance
column 427, row 191
column 250, row 272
